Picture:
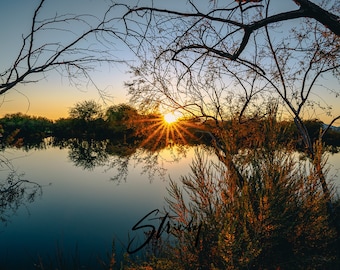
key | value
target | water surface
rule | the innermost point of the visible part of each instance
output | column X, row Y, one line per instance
column 82, row 210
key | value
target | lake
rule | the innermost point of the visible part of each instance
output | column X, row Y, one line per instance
column 82, row 209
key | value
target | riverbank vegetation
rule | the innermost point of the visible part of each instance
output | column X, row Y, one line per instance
column 122, row 124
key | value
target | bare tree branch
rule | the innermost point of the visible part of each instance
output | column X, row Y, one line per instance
column 329, row 126
column 74, row 56
column 228, row 56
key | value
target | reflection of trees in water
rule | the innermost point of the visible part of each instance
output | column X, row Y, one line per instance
column 122, row 155
column 151, row 162
column 15, row 191
column 26, row 144
column 90, row 153
column 150, row 159
column 121, row 164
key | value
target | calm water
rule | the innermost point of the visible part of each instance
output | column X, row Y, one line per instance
column 82, row 210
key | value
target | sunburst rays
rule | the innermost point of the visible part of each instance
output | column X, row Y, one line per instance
column 166, row 131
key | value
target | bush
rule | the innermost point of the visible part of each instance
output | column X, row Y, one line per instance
column 260, row 208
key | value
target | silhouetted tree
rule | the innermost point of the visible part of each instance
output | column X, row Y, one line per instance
column 120, row 113
column 122, row 120
column 86, row 110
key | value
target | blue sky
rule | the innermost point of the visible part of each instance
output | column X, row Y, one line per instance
column 53, row 95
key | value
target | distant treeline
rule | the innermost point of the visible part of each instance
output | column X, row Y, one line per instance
column 122, row 123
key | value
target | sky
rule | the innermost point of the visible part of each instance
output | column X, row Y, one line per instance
column 52, row 96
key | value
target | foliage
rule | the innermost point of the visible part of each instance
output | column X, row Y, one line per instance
column 87, row 110
column 259, row 205
column 260, row 208
column 123, row 124
column 332, row 139
column 120, row 113
column 122, row 120
column 86, row 120
column 18, row 127
column 64, row 128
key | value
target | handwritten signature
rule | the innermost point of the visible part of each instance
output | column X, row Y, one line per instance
column 166, row 225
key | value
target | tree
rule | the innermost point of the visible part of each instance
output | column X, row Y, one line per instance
column 122, row 120
column 86, row 41
column 120, row 113
column 225, row 60
column 86, row 111
column 25, row 127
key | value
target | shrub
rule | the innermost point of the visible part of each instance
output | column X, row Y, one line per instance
column 260, row 208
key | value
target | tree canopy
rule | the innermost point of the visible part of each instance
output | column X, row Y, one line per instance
column 87, row 110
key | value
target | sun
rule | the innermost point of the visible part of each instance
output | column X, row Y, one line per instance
column 168, row 129
column 170, row 118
